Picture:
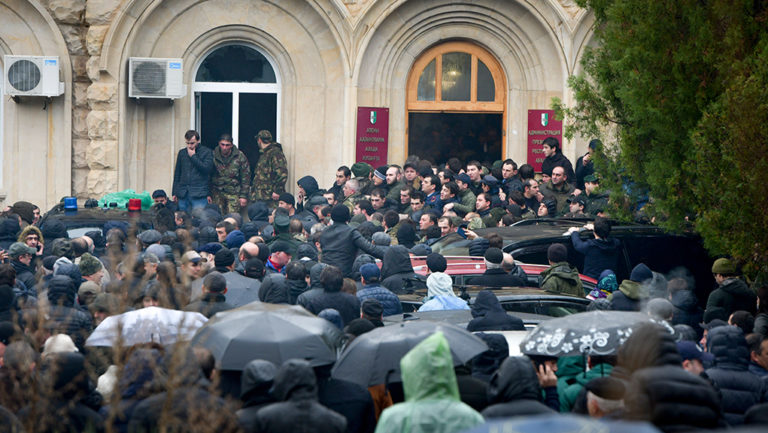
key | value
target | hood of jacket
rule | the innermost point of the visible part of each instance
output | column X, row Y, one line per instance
column 685, row 300
column 309, row 184
column 563, row 270
column 738, row 288
column 61, row 291
column 439, row 284
column 256, row 381
column 30, row 229
column 295, row 380
column 486, row 302
column 729, row 347
column 427, row 371
column 488, row 362
column 306, row 250
column 396, row 260
column 608, row 244
column 9, row 229
column 314, row 276
column 515, row 380
column 258, row 211
column 634, row 290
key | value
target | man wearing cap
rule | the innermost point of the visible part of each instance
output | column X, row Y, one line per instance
column 91, row 268
column 21, row 259
column 213, row 300
column 693, row 357
column 370, row 276
column 554, row 158
column 191, row 268
column 576, row 204
column 241, row 290
column 282, row 225
column 287, row 202
column 362, row 173
column 379, row 179
column 230, row 183
column 605, row 397
column 733, row 294
column 281, row 253
column 271, row 171
column 466, row 197
column 597, row 201
column 494, row 276
column 340, row 242
column 194, row 165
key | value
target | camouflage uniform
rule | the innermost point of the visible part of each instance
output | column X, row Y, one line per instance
column 270, row 174
column 350, row 201
column 230, row 181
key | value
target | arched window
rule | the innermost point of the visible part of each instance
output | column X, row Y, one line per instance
column 237, row 91
column 456, row 103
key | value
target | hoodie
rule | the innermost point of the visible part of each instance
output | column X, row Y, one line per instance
column 514, row 390
column 630, row 297
column 397, row 271
column 255, row 383
column 489, row 315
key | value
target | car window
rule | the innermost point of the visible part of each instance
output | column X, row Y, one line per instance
column 76, row 232
column 520, row 306
column 560, row 309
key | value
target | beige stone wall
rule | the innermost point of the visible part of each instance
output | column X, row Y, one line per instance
column 332, row 56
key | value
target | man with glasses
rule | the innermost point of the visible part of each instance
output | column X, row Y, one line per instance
column 21, row 260
column 194, row 165
column 231, row 181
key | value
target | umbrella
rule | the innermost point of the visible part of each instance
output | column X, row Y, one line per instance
column 271, row 332
column 146, row 325
column 565, row 423
column 591, row 333
column 374, row 357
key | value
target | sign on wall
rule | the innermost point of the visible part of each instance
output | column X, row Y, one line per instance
column 372, row 135
column 541, row 124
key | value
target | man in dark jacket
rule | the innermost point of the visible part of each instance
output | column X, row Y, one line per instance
column 489, row 315
column 397, row 272
column 370, row 275
column 255, row 383
column 514, row 390
column 21, row 259
column 732, row 295
column 308, row 189
column 600, row 253
column 740, row 388
column 191, row 177
column 687, row 310
column 63, row 316
column 340, row 242
column 494, row 276
column 213, row 300
column 554, row 158
column 632, row 293
column 296, row 389
column 348, row 399
column 347, row 305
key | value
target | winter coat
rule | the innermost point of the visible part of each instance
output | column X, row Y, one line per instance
column 562, row 278
column 489, row 315
column 687, row 310
column 467, row 201
column 486, row 363
column 298, row 409
column 270, row 174
column 630, row 296
column 241, row 290
column 559, row 160
column 432, row 401
column 209, row 304
column 559, row 193
column 191, row 176
column 599, row 254
column 138, row 381
column 25, row 274
column 295, row 289
column 740, row 388
column 348, row 399
column 761, row 324
column 514, row 390
column 389, row 300
column 274, row 289
column 569, row 394
column 397, row 271
column 255, row 385
column 347, row 305
column 582, row 171
column 472, row 390
column 732, row 295
column 340, row 244
column 496, row 278
column 672, row 399
column 596, row 203
column 232, row 174
column 9, row 230
column 63, row 316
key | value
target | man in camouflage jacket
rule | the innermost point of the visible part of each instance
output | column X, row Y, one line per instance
column 230, row 183
column 271, row 171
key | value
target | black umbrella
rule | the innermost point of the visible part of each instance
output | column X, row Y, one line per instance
column 374, row 357
column 591, row 333
column 271, row 332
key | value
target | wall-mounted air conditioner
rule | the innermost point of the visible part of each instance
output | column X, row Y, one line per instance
column 32, row 76
column 155, row 78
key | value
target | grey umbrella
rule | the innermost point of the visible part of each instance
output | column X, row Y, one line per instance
column 374, row 357
column 594, row 332
column 271, row 332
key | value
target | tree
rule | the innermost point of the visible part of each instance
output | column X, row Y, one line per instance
column 678, row 91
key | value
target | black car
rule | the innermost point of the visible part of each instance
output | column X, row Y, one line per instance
column 671, row 254
column 83, row 220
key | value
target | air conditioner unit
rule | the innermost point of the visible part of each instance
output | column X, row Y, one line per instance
column 32, row 76
column 155, row 78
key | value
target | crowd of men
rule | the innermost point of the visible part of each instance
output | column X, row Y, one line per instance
column 224, row 239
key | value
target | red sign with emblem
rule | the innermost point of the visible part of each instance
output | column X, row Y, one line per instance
column 541, row 124
column 372, row 135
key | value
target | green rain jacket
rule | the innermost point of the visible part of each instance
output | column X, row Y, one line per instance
column 562, row 278
column 432, row 401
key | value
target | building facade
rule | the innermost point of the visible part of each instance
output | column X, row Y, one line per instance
column 469, row 70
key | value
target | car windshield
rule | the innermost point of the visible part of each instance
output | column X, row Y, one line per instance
column 76, row 232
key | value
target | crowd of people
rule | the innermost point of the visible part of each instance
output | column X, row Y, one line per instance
column 224, row 239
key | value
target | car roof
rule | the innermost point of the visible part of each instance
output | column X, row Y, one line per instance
column 96, row 217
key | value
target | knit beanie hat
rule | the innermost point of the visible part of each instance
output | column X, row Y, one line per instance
column 340, row 213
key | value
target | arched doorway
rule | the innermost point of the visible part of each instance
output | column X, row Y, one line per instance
column 456, row 104
column 237, row 91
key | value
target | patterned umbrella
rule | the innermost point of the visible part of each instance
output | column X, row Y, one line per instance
column 590, row 333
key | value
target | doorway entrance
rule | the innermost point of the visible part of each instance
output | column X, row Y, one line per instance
column 237, row 92
column 456, row 103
